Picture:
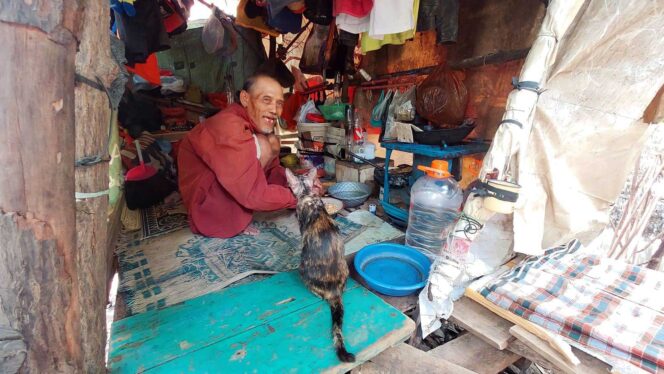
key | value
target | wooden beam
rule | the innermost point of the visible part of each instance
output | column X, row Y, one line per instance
column 474, row 354
column 587, row 365
column 404, row 358
column 487, row 326
column 39, row 273
column 498, row 57
column 92, row 120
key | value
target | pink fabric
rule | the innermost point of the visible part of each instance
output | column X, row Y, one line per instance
column 355, row 8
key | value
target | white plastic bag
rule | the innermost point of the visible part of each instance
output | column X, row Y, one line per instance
column 306, row 108
column 212, row 35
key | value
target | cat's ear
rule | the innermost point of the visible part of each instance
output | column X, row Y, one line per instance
column 293, row 181
column 312, row 174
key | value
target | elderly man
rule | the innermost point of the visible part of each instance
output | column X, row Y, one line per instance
column 229, row 164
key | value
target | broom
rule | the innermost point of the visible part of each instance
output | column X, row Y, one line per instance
column 144, row 185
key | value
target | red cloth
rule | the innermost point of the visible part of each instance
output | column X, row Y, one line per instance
column 149, row 70
column 355, row 8
column 221, row 180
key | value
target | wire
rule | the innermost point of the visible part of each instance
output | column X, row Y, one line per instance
column 472, row 226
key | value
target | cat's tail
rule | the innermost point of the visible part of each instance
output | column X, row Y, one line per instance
column 337, row 309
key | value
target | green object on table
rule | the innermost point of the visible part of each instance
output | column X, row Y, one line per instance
column 333, row 112
column 274, row 325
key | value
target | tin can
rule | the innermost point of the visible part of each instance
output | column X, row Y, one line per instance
column 372, row 208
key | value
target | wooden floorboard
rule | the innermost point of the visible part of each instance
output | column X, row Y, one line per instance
column 406, row 359
column 482, row 323
column 474, row 354
column 588, row 365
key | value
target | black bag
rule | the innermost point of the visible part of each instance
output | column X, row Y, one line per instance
column 319, row 11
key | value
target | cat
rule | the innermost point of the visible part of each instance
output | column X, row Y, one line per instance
column 323, row 268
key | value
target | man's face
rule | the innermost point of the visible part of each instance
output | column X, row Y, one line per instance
column 264, row 103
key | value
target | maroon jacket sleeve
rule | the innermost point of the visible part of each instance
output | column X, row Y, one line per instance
column 230, row 151
column 276, row 174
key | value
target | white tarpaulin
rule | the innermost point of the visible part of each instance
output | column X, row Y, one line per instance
column 586, row 129
column 597, row 64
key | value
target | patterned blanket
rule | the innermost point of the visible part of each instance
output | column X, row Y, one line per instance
column 602, row 304
column 167, row 269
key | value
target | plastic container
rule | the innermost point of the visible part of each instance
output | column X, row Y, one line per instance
column 435, row 200
column 495, row 203
column 392, row 269
column 315, row 130
column 337, row 136
column 330, row 166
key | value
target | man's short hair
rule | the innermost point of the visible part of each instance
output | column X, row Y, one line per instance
column 251, row 81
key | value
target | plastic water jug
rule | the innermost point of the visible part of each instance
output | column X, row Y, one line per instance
column 435, row 200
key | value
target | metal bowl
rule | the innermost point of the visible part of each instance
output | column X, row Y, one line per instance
column 351, row 193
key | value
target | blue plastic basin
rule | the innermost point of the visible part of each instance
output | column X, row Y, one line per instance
column 392, row 269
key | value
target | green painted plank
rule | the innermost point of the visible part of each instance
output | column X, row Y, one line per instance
column 148, row 339
column 301, row 342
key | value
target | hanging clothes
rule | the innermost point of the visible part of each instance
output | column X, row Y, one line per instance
column 319, row 11
column 353, row 15
column 441, row 15
column 369, row 43
column 391, row 17
column 285, row 21
column 276, row 6
column 144, row 33
column 149, row 70
column 355, row 8
column 175, row 14
column 352, row 24
column 256, row 23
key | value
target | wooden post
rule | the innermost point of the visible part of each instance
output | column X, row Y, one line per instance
column 42, row 297
column 92, row 120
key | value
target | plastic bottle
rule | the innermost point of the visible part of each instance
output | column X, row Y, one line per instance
column 435, row 200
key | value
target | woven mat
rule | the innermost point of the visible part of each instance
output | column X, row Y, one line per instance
column 165, row 270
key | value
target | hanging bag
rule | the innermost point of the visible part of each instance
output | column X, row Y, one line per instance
column 442, row 98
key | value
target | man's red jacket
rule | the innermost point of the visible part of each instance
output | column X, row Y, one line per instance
column 221, row 180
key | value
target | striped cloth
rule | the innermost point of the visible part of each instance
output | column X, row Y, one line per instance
column 606, row 305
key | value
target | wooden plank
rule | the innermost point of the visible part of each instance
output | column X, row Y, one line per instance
column 92, row 121
column 587, row 365
column 482, row 323
column 368, row 368
column 466, row 349
column 301, row 341
column 555, row 341
column 274, row 323
column 404, row 358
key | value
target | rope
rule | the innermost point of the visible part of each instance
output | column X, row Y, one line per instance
column 103, row 157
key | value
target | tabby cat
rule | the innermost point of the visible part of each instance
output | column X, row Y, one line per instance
column 323, row 267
